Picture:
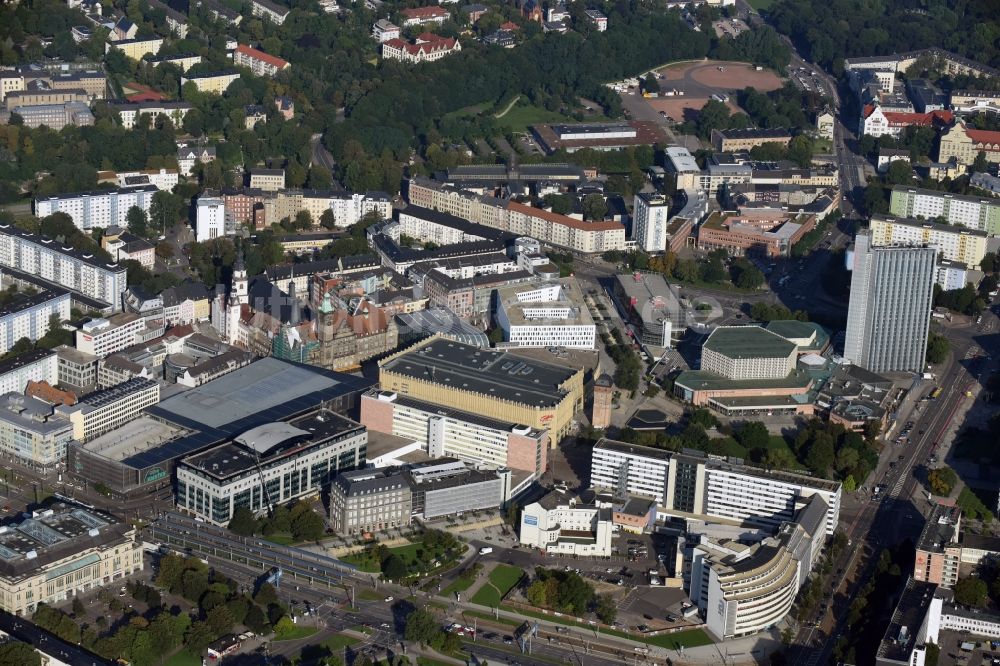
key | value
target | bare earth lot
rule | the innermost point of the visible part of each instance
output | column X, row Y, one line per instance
column 700, row 80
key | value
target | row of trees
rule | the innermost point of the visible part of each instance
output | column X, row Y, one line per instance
column 299, row 521
column 568, row 592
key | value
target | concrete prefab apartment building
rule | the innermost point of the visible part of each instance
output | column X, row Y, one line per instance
column 703, row 485
column 64, row 266
column 98, row 209
column 33, row 366
column 748, row 352
column 889, row 313
column 269, row 464
column 61, row 552
column 650, row 216
column 980, row 213
column 468, row 436
column 953, row 244
column 28, row 317
column 496, row 384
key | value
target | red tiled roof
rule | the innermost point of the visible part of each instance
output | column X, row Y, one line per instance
column 424, row 12
column 983, row 136
column 50, row 394
column 427, row 42
column 260, row 55
column 900, row 119
column 509, row 25
column 563, row 220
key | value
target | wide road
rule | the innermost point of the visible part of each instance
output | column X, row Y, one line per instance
column 897, row 513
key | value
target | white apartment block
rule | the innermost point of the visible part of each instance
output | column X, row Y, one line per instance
column 102, row 337
column 550, row 314
column 348, row 210
column 979, row 213
column 98, row 209
column 34, row 366
column 709, row 487
column 270, row 11
column 29, row 317
column 161, row 179
column 382, row 31
column 64, row 266
column 436, row 227
column 110, row 408
column 260, row 63
column 130, row 112
column 650, row 216
column 961, row 244
column 210, row 219
column 765, row 498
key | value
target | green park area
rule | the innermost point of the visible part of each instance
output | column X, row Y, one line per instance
column 501, row 580
column 434, row 550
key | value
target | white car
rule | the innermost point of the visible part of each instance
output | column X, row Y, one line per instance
column 388, row 599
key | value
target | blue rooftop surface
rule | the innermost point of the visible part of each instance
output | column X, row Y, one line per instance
column 263, row 392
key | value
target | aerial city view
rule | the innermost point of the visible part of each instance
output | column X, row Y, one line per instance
column 524, row 332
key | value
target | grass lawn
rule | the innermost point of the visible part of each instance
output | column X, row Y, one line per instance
column 460, row 585
column 338, row 642
column 370, row 595
column 281, row 539
column 519, row 117
column 502, row 579
column 491, row 618
column 183, row 658
column 760, row 4
column 407, row 553
column 298, row 633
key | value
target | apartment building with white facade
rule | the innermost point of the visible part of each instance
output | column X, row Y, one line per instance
column 260, row 63
column 746, row 588
column 546, row 314
column 34, row 366
column 210, row 218
column 130, row 112
column 101, row 336
column 64, row 266
column 98, row 209
column 28, row 316
column 650, row 216
column 700, row 485
column 953, row 243
column 980, row 213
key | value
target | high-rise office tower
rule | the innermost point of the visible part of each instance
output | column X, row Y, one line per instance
column 892, row 289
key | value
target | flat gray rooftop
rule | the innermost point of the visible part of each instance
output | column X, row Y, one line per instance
column 489, row 372
column 246, row 392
